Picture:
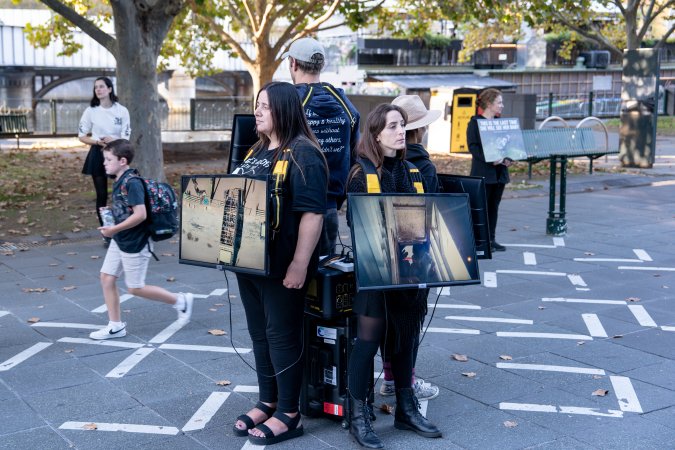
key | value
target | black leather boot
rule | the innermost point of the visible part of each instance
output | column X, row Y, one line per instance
column 408, row 416
column 361, row 428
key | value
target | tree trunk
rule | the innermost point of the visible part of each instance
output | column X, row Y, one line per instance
column 263, row 68
column 630, row 21
column 140, row 29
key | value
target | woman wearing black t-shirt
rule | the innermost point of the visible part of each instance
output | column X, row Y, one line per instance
column 396, row 314
column 274, row 305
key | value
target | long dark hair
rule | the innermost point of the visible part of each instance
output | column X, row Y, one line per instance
column 108, row 82
column 368, row 147
column 288, row 117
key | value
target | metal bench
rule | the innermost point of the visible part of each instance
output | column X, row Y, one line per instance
column 557, row 145
column 14, row 125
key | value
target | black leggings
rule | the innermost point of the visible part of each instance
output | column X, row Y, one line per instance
column 101, row 187
column 494, row 197
column 370, row 333
column 274, row 316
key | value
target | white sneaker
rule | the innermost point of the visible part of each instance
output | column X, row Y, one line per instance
column 108, row 332
column 387, row 388
column 425, row 391
column 185, row 314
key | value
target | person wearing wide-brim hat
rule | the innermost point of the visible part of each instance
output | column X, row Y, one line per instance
column 419, row 118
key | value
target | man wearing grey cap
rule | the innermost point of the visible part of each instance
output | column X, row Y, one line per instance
column 334, row 121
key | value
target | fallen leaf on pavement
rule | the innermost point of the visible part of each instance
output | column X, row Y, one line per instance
column 589, row 253
column 53, row 264
column 510, row 424
column 217, row 332
column 38, row 290
column 223, row 383
column 61, row 277
column 469, row 374
column 94, row 257
column 633, row 299
column 219, row 304
column 69, row 288
column 170, row 278
column 70, row 350
column 167, row 254
column 33, row 320
column 213, row 309
column 617, row 336
column 542, row 307
column 581, row 342
column 597, row 377
column 89, row 426
column 387, row 408
column 71, row 253
column 600, row 392
column 458, row 357
column 505, row 357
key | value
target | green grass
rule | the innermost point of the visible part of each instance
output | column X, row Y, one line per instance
column 665, row 125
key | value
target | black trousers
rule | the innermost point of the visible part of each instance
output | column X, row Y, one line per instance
column 494, row 194
column 274, row 315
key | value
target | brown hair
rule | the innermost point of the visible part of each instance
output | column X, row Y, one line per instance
column 121, row 148
column 487, row 97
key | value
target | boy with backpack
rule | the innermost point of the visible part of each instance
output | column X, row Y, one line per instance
column 130, row 249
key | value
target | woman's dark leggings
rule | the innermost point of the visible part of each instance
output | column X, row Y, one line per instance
column 274, row 316
column 370, row 332
column 101, row 187
column 494, row 197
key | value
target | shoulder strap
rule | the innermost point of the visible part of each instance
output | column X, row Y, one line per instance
column 372, row 177
column 334, row 93
column 279, row 172
column 415, row 176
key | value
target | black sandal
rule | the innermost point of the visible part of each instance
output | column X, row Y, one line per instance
column 267, row 410
column 270, row 438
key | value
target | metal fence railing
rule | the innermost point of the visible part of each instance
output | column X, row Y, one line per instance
column 578, row 106
column 62, row 117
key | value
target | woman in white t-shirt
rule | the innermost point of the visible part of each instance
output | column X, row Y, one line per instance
column 103, row 121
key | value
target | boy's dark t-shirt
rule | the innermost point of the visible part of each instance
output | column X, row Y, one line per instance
column 304, row 191
column 129, row 191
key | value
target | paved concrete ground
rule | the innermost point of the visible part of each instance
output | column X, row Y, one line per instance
column 554, row 320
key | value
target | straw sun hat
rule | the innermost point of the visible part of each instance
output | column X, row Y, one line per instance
column 418, row 114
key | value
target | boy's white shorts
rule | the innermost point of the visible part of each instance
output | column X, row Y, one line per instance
column 134, row 265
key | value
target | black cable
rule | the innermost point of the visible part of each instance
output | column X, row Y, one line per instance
column 430, row 317
column 302, row 338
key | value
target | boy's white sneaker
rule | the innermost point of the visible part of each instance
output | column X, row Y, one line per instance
column 108, row 332
column 185, row 313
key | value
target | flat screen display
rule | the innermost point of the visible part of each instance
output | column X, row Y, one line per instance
column 412, row 240
column 224, row 222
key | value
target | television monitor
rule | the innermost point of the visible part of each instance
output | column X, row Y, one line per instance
column 242, row 139
column 412, row 241
column 224, row 222
column 475, row 187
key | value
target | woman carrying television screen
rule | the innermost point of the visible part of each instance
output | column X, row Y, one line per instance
column 392, row 315
column 274, row 304
column 496, row 173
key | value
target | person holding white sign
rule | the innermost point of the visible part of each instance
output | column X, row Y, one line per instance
column 496, row 173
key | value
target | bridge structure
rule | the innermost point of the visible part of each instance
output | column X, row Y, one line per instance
column 30, row 75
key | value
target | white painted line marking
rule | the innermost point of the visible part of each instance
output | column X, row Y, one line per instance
column 643, row 255
column 452, row 330
column 578, row 337
column 533, row 272
column 666, row 328
column 200, row 295
column 167, row 332
column 623, row 389
column 489, row 319
column 126, row 427
column 218, row 292
column 532, row 407
column 594, row 326
column 549, row 368
column 248, row 446
column 490, row 279
column 448, row 306
column 663, row 183
column 532, row 245
column 583, row 300
column 24, row 355
column 130, row 362
column 103, row 308
column 623, row 260
column 244, row 388
column 3, row 313
column 85, row 326
column 103, row 343
column 658, row 269
column 203, row 348
column 576, row 280
column 205, row 412
column 583, row 289
column 529, row 259
column 559, row 242
column 642, row 316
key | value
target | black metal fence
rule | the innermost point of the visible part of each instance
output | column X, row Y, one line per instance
column 578, row 106
column 62, row 117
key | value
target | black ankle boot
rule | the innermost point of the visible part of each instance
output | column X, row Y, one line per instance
column 361, row 428
column 408, row 416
